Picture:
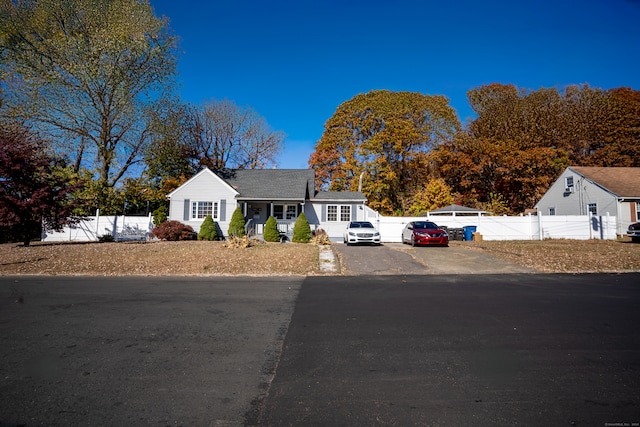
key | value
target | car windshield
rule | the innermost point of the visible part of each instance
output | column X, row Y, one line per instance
column 360, row 225
column 424, row 225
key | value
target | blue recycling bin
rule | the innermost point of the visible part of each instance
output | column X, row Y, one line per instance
column 468, row 231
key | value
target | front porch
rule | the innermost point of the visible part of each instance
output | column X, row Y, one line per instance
column 256, row 213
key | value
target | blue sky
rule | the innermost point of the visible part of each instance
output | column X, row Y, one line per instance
column 295, row 62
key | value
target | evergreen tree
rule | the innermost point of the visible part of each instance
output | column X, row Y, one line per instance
column 301, row 230
column 236, row 226
column 208, row 229
column 271, row 233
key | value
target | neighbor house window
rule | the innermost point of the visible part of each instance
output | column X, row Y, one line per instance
column 285, row 211
column 637, row 211
column 592, row 208
column 568, row 182
column 337, row 213
column 552, row 211
column 200, row 210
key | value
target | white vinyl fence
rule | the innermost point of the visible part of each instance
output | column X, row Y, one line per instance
column 121, row 228
column 526, row 227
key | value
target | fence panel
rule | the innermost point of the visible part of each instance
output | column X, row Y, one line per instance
column 122, row 228
column 529, row 227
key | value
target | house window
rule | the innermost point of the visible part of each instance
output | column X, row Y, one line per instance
column 337, row 213
column 345, row 213
column 292, row 211
column 332, row 213
column 592, row 208
column 285, row 211
column 552, row 211
column 200, row 210
column 637, row 211
column 568, row 183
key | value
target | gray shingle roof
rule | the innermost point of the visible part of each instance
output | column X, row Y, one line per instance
column 271, row 184
column 340, row 195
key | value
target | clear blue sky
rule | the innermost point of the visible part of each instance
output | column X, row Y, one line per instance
column 295, row 62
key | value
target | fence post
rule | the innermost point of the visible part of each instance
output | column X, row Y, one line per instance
column 540, row 229
column 97, row 223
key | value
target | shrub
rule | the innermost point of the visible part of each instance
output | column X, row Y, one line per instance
column 106, row 238
column 173, row 230
column 320, row 237
column 301, row 230
column 242, row 242
column 236, row 226
column 208, row 229
column 271, row 233
column 159, row 215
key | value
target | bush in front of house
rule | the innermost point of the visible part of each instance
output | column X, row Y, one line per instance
column 236, row 226
column 159, row 215
column 173, row 230
column 208, row 229
column 320, row 237
column 301, row 230
column 271, row 233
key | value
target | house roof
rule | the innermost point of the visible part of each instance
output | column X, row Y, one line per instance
column 271, row 184
column 457, row 209
column 621, row 181
column 340, row 196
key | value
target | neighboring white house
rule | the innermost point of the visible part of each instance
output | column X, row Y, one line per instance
column 596, row 191
column 260, row 193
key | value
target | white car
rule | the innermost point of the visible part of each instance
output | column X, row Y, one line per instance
column 361, row 232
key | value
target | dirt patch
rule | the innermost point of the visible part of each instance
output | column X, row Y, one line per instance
column 159, row 258
column 563, row 256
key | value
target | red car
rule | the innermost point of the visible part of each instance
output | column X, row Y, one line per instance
column 424, row 233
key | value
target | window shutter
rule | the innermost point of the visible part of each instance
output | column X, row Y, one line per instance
column 354, row 212
column 223, row 210
column 324, row 213
column 187, row 208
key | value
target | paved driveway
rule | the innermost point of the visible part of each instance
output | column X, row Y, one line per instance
column 396, row 258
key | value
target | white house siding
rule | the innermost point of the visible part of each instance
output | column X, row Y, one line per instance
column 316, row 213
column 203, row 187
column 584, row 192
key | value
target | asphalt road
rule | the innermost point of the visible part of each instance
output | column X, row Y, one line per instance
column 477, row 350
column 138, row 351
column 495, row 350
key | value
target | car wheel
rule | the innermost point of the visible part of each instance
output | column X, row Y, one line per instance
column 402, row 240
column 413, row 241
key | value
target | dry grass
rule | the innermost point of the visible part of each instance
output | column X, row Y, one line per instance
column 213, row 258
column 564, row 256
column 159, row 258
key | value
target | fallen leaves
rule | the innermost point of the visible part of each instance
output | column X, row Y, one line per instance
column 159, row 258
column 564, row 256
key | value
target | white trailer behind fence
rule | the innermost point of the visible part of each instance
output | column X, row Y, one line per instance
column 525, row 227
column 120, row 228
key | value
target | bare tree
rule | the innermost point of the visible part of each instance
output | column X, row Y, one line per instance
column 227, row 136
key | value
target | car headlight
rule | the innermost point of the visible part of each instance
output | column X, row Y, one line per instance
column 376, row 234
column 351, row 233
